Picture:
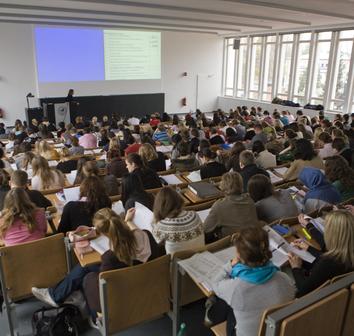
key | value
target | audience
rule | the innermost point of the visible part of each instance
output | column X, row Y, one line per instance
column 184, row 161
column 174, row 227
column 88, row 140
column 115, row 164
column 271, row 204
column 4, row 186
column 342, row 149
column 210, row 168
column 66, row 164
column 44, row 149
column 236, row 210
column 152, row 159
column 264, row 159
column 76, row 148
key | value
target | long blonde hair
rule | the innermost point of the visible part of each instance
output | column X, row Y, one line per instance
column 43, row 148
column 147, row 153
column 339, row 237
column 17, row 205
column 41, row 168
column 121, row 238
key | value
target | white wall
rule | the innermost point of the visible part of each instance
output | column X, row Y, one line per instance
column 200, row 55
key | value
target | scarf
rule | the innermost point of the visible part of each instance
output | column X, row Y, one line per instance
column 254, row 275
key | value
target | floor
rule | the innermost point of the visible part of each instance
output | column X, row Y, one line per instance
column 192, row 315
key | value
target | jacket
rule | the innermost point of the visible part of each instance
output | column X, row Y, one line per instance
column 250, row 170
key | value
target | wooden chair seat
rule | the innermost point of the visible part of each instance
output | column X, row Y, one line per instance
column 219, row 329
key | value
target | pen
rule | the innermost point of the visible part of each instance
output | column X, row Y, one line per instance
column 307, row 235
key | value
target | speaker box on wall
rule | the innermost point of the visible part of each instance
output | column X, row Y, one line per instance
column 236, row 44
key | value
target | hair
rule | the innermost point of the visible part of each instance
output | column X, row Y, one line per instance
column 27, row 160
column 168, row 203
column 259, row 187
column 325, row 137
column 338, row 144
column 95, row 192
column 90, row 168
column 339, row 237
column 252, row 245
column 41, row 168
column 304, row 150
column 231, row 183
column 247, row 158
column 136, row 159
column 74, row 141
column 337, row 168
column 208, row 154
column 183, row 148
column 19, row 178
column 147, row 153
column 42, row 147
column 121, row 238
column 113, row 154
column 258, row 147
column 4, row 178
column 17, row 205
column 131, row 183
column 237, row 148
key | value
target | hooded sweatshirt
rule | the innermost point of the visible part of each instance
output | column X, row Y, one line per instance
column 319, row 188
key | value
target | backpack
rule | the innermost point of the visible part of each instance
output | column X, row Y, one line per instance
column 63, row 321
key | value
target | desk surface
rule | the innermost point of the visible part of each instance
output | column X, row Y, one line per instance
column 88, row 258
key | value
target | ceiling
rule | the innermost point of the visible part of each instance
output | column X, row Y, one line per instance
column 222, row 17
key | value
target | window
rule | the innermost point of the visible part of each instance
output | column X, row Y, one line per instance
column 323, row 49
column 302, row 68
column 230, row 68
column 286, row 51
column 341, row 72
column 255, row 68
column 269, row 68
column 242, row 68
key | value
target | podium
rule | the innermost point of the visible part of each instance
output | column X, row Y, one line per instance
column 57, row 112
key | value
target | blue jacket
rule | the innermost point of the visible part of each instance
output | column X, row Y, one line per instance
column 319, row 187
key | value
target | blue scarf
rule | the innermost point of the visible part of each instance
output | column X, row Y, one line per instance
column 254, row 275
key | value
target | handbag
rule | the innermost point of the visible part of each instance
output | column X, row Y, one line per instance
column 81, row 238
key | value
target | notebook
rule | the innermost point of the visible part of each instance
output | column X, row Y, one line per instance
column 194, row 176
column 204, row 189
column 100, row 244
column 72, row 194
column 171, row 179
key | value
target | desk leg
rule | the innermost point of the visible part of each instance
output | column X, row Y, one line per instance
column 177, row 277
column 69, row 261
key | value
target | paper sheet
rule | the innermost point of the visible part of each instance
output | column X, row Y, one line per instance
column 59, row 145
column 203, row 214
column 100, row 244
column 281, row 170
column 226, row 255
column 13, row 166
column 52, row 163
column 168, row 164
column 164, row 149
column 194, row 176
column 274, row 178
column 97, row 151
column 171, row 179
column 118, row 207
column 72, row 194
column 143, row 217
column 71, row 177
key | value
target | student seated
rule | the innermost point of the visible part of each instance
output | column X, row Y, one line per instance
column 152, row 159
column 321, row 193
column 249, row 168
column 210, row 167
column 248, row 284
column 93, row 197
column 264, row 159
column 4, row 186
column 45, row 177
column 215, row 137
column 66, row 164
column 19, row 179
column 128, row 246
column 21, row 221
column 341, row 176
column 184, row 161
column 233, row 160
column 341, row 148
column 44, row 149
column 305, row 156
column 88, row 140
column 326, row 141
column 235, row 211
column 176, row 228
column 133, row 191
column 76, row 148
column 271, row 204
column 115, row 164
column 161, row 136
column 148, row 177
column 337, row 243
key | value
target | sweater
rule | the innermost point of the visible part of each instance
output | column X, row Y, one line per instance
column 183, row 232
column 248, row 300
column 345, row 193
column 250, row 170
column 279, row 205
column 212, row 169
column 230, row 214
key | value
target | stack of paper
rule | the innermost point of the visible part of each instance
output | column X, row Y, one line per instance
column 194, row 176
column 274, row 178
column 143, row 217
column 171, row 179
column 72, row 194
column 100, row 244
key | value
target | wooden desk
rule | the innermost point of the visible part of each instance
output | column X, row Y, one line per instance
column 88, row 258
column 195, row 199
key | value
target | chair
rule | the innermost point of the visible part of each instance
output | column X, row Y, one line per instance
column 200, row 206
column 167, row 172
column 219, row 329
column 41, row 263
column 348, row 325
column 133, row 295
column 50, row 211
column 51, row 191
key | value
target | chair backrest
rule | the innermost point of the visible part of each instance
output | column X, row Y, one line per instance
column 133, row 295
column 41, row 263
column 200, row 206
column 324, row 317
column 166, row 172
column 339, row 277
column 190, row 292
column 348, row 326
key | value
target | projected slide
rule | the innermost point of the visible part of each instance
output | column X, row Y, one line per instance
column 69, row 55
